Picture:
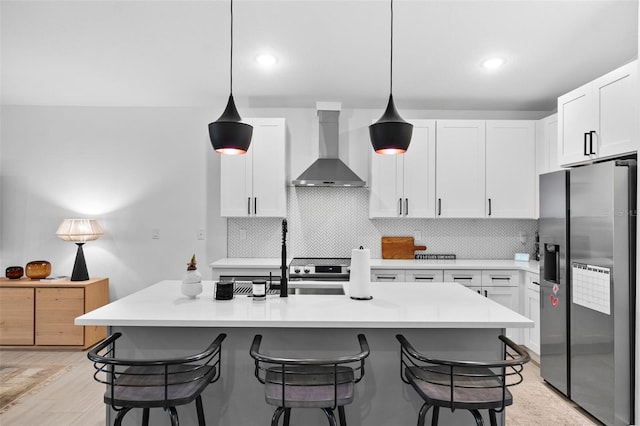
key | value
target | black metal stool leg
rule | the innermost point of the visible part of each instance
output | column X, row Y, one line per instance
column 120, row 416
column 173, row 415
column 200, row 411
column 492, row 418
column 478, row 417
column 435, row 415
column 423, row 413
column 145, row 417
column 341, row 415
column 276, row 416
column 287, row 416
column 329, row 413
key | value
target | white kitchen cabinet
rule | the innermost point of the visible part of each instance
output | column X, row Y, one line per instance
column 392, row 275
column 501, row 286
column 532, row 311
column 599, row 119
column 546, row 152
column 403, row 186
column 460, row 173
column 254, row 184
column 427, row 275
column 510, row 169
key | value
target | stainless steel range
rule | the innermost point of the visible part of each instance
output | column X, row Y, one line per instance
column 319, row 269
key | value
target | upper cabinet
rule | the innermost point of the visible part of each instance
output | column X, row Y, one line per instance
column 254, row 184
column 546, row 151
column 510, row 169
column 599, row 119
column 460, row 174
column 404, row 185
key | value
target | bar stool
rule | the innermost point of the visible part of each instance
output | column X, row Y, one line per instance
column 467, row 385
column 163, row 383
column 309, row 383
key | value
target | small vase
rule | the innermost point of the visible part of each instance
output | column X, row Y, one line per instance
column 38, row 269
column 14, row 272
column 192, row 284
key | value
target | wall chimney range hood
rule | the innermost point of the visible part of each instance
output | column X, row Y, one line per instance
column 328, row 170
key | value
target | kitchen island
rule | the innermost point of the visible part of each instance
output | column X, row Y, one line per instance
column 443, row 319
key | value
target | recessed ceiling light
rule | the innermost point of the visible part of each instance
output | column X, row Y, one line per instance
column 266, row 60
column 493, row 63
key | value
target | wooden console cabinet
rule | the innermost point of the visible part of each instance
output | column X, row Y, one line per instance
column 41, row 313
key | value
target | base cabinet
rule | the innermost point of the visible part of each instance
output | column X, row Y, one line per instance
column 501, row 286
column 532, row 311
column 43, row 313
column 16, row 316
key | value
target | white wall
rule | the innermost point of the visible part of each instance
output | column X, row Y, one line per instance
column 133, row 169
column 136, row 169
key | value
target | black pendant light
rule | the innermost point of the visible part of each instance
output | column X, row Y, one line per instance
column 390, row 134
column 228, row 134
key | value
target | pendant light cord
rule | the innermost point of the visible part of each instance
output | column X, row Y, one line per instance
column 231, row 55
column 391, row 61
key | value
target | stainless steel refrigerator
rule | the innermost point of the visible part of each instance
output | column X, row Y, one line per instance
column 595, row 312
column 553, row 229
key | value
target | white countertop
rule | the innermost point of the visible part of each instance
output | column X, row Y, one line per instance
column 394, row 305
column 531, row 266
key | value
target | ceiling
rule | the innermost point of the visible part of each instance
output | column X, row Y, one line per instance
column 176, row 53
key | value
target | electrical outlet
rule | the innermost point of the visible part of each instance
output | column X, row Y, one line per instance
column 523, row 238
column 243, row 234
column 155, row 234
column 417, row 235
column 201, row 234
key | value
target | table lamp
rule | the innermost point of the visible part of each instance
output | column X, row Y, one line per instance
column 79, row 231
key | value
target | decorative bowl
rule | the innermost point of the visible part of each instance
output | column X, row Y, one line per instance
column 38, row 269
column 14, row 272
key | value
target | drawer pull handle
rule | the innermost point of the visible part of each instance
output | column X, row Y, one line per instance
column 417, row 278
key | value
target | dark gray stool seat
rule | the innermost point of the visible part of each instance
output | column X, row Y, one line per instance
column 160, row 383
column 466, row 385
column 326, row 384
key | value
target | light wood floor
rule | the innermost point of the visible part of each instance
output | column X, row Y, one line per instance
column 74, row 399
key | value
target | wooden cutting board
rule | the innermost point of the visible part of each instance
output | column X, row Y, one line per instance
column 399, row 248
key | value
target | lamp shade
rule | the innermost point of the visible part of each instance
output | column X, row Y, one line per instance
column 79, row 230
column 228, row 134
column 390, row 134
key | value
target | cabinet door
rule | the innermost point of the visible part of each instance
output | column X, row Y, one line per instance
column 269, row 177
column 616, row 94
column 468, row 278
column 532, row 311
column 386, row 192
column 510, row 168
column 16, row 316
column 576, row 118
column 460, row 175
column 388, row 275
column 546, row 152
column 508, row 297
column 56, row 309
column 424, row 276
column 236, row 192
column 419, row 177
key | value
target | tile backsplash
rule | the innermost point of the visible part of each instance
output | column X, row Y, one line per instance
column 329, row 222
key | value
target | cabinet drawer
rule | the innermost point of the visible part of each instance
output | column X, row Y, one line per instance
column 389, row 275
column 56, row 309
column 468, row 277
column 16, row 316
column 500, row 278
column 424, row 276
